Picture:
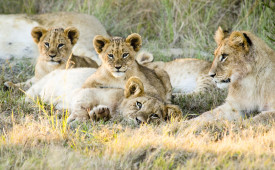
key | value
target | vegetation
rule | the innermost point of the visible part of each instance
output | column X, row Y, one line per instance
column 32, row 136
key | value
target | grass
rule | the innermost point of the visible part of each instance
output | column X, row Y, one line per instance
column 32, row 136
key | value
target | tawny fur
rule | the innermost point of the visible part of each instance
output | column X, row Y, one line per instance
column 62, row 89
column 16, row 40
column 119, row 64
column 187, row 75
column 247, row 64
column 133, row 103
column 55, row 47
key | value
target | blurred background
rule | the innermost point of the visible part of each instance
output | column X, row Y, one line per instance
column 184, row 28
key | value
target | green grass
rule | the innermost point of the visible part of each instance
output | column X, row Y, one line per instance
column 32, row 136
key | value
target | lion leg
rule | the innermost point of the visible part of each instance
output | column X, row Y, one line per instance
column 263, row 117
column 100, row 112
column 23, row 85
column 84, row 100
column 223, row 112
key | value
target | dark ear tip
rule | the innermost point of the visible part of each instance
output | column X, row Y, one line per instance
column 247, row 39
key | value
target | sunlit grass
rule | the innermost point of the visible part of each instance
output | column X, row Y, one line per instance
column 35, row 136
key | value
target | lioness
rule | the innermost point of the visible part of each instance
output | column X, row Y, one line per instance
column 187, row 75
column 247, row 65
column 55, row 47
column 119, row 64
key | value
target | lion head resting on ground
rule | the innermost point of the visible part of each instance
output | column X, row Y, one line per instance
column 119, row 64
column 133, row 103
column 247, row 65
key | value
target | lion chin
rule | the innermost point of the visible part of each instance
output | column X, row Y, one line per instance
column 54, row 63
column 118, row 74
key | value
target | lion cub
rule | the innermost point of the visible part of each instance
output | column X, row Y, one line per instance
column 55, row 47
column 247, row 64
column 133, row 103
column 119, row 64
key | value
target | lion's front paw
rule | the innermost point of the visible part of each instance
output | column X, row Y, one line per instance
column 100, row 112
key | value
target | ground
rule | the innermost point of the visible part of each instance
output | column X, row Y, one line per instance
column 32, row 136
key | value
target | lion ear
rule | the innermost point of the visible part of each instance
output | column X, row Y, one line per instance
column 73, row 34
column 172, row 111
column 219, row 36
column 135, row 41
column 238, row 39
column 134, row 87
column 99, row 43
column 37, row 33
column 144, row 57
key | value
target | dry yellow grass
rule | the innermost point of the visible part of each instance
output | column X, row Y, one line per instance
column 33, row 137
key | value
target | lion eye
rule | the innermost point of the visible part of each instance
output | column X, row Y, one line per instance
column 47, row 44
column 223, row 57
column 154, row 116
column 124, row 55
column 111, row 56
column 60, row 45
column 139, row 105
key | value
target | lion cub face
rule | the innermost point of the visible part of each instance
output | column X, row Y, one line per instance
column 231, row 61
column 55, row 45
column 143, row 108
column 117, row 54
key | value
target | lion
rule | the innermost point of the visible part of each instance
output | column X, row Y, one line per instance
column 16, row 40
column 187, row 75
column 247, row 64
column 62, row 89
column 119, row 64
column 133, row 103
column 55, row 46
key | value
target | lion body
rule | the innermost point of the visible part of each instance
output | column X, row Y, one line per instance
column 62, row 89
column 55, row 47
column 247, row 64
column 118, row 65
column 187, row 75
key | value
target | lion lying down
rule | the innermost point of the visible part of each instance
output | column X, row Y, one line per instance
column 63, row 89
column 247, row 65
column 187, row 75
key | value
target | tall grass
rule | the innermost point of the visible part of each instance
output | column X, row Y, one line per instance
column 33, row 137
column 185, row 24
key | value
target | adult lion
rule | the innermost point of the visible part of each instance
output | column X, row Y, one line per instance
column 187, row 75
column 247, row 64
column 55, row 47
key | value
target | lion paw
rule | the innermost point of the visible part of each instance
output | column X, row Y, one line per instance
column 100, row 112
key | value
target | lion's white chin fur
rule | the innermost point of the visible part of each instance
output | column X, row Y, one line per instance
column 54, row 63
column 118, row 74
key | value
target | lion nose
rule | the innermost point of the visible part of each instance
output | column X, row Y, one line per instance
column 212, row 74
column 117, row 67
column 52, row 55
